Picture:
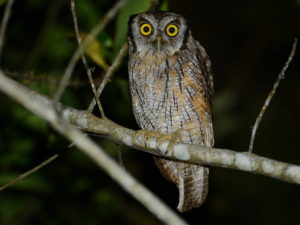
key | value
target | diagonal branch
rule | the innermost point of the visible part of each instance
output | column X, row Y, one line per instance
column 111, row 70
column 35, row 103
column 107, row 77
column 84, row 60
column 271, row 94
column 115, row 65
column 156, row 143
column 29, row 172
column 97, row 29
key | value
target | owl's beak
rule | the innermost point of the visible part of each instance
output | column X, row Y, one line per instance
column 158, row 43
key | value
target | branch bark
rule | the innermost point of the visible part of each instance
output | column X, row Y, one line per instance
column 156, row 143
column 271, row 94
column 43, row 107
column 97, row 29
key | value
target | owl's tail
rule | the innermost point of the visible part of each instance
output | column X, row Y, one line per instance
column 192, row 185
column 191, row 180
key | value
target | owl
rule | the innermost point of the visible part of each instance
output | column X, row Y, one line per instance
column 171, row 88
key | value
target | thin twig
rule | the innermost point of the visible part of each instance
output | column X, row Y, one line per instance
column 97, row 29
column 117, row 62
column 4, row 24
column 29, row 172
column 111, row 70
column 271, row 94
column 88, row 71
column 155, row 143
column 91, row 149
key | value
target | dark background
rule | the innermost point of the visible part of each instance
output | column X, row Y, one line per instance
column 248, row 42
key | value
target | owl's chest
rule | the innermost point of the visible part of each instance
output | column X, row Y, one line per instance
column 163, row 92
column 153, row 81
column 156, row 78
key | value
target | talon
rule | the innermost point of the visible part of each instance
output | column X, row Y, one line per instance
column 149, row 138
column 163, row 143
column 172, row 140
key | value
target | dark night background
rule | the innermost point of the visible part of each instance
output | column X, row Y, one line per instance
column 248, row 42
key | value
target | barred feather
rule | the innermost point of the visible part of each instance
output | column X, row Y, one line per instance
column 172, row 92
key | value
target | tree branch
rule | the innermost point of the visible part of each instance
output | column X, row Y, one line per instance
column 271, row 94
column 97, row 29
column 83, row 58
column 115, row 65
column 156, row 143
column 41, row 106
column 29, row 172
column 111, row 70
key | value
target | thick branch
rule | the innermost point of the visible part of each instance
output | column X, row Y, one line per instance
column 42, row 107
column 156, row 143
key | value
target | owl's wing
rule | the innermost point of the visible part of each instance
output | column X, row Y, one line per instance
column 205, row 64
column 206, row 69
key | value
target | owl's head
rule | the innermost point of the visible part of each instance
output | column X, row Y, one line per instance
column 157, row 32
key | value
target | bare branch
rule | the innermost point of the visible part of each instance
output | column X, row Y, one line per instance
column 35, row 103
column 111, row 70
column 156, row 143
column 29, row 172
column 271, row 94
column 4, row 23
column 88, row 71
column 122, row 53
column 97, row 29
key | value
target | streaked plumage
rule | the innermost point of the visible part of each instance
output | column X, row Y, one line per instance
column 171, row 87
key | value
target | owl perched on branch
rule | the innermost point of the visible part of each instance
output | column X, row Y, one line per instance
column 171, row 87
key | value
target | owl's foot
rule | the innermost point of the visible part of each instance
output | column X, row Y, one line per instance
column 167, row 142
column 150, row 138
column 155, row 140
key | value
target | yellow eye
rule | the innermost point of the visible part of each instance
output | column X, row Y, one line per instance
column 146, row 29
column 172, row 30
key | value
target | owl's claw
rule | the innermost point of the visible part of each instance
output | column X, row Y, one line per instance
column 155, row 140
column 167, row 142
column 150, row 138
